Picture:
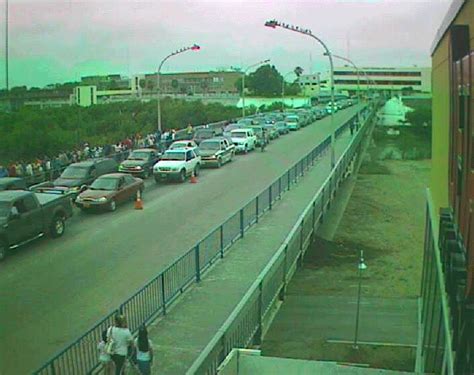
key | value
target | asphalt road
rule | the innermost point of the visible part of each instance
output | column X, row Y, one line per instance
column 53, row 290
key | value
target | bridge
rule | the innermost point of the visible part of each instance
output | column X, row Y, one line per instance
column 71, row 284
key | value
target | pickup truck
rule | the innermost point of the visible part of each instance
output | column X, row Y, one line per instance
column 216, row 151
column 26, row 216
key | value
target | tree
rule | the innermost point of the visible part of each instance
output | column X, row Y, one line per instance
column 421, row 116
column 174, row 84
column 265, row 81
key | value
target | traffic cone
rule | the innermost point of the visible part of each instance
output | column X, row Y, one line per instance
column 138, row 201
column 194, row 179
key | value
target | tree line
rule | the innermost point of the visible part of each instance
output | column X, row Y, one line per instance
column 29, row 133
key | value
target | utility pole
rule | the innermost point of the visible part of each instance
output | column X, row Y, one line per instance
column 6, row 46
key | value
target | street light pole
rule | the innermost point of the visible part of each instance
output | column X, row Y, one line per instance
column 194, row 47
column 283, row 89
column 358, row 81
column 6, row 47
column 244, row 72
column 273, row 24
column 361, row 266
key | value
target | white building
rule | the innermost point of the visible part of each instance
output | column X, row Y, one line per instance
column 416, row 79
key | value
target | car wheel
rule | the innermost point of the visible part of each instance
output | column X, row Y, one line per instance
column 146, row 174
column 182, row 175
column 219, row 163
column 157, row 179
column 3, row 250
column 58, row 226
column 112, row 206
column 196, row 170
column 246, row 150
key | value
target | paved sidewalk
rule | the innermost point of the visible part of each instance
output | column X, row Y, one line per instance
column 189, row 326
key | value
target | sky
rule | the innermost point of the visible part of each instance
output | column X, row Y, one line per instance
column 52, row 41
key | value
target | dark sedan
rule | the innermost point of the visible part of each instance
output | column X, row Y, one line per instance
column 110, row 190
column 140, row 162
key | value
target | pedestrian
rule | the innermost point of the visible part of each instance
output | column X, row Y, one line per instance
column 104, row 357
column 144, row 351
column 3, row 171
column 189, row 130
column 122, row 339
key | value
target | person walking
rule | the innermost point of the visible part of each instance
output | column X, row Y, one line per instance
column 122, row 339
column 104, row 357
column 144, row 351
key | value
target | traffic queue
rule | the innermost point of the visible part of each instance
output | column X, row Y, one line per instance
column 103, row 183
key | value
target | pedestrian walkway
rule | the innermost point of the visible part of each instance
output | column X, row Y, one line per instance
column 188, row 327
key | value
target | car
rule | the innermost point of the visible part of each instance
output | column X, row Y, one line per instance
column 26, row 216
column 216, row 151
column 258, row 131
column 12, row 183
column 244, row 139
column 202, row 134
column 272, row 131
column 183, row 144
column 177, row 164
column 332, row 107
column 246, row 122
column 109, row 190
column 77, row 176
column 140, row 162
column 231, row 127
column 293, row 122
column 282, row 127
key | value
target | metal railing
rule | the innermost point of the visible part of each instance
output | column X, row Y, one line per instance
column 153, row 300
column 436, row 335
column 245, row 324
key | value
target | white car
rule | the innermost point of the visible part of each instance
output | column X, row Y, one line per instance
column 293, row 122
column 177, row 164
column 182, row 144
column 243, row 139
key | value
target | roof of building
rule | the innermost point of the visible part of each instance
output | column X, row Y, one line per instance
column 452, row 13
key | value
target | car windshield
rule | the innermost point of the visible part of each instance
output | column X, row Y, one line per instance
column 210, row 146
column 105, row 183
column 139, row 155
column 239, row 134
column 74, row 172
column 204, row 133
column 280, row 124
column 292, row 119
column 174, row 156
column 179, row 145
column 4, row 209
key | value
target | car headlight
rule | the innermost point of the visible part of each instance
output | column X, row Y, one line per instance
column 75, row 188
column 138, row 168
column 101, row 199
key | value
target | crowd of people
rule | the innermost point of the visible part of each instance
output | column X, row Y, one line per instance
column 118, row 345
column 50, row 167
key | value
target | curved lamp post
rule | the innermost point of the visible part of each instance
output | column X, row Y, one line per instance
column 194, row 47
column 358, row 79
column 244, row 72
column 273, row 24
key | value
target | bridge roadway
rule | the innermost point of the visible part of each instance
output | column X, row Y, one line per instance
column 53, row 290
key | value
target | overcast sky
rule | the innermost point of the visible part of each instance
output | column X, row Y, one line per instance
column 61, row 40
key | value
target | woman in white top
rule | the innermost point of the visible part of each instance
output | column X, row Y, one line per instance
column 122, row 338
column 144, row 351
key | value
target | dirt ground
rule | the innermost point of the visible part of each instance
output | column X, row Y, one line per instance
column 385, row 219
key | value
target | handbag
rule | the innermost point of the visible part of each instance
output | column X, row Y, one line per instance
column 110, row 345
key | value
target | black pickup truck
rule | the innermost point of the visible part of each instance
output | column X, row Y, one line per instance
column 26, row 216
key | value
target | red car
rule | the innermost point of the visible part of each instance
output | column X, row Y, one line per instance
column 110, row 190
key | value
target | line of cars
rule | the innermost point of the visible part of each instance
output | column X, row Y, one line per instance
column 26, row 215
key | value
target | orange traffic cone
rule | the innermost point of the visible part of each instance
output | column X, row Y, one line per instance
column 194, row 179
column 138, row 201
